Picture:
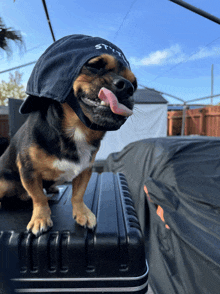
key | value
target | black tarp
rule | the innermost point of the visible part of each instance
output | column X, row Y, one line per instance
column 182, row 176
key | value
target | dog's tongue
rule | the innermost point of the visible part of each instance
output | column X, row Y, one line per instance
column 111, row 100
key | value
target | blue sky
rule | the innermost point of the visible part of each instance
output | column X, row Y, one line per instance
column 170, row 49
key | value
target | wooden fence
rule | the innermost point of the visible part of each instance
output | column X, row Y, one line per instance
column 4, row 126
column 203, row 121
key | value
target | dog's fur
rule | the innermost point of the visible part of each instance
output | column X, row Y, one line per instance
column 54, row 146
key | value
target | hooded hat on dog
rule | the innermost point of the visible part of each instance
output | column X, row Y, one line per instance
column 59, row 66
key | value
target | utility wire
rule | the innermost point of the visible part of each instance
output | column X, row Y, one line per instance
column 23, row 65
column 35, row 47
column 200, row 12
column 185, row 60
column 116, row 34
column 52, row 33
column 13, row 68
column 48, row 19
column 31, row 49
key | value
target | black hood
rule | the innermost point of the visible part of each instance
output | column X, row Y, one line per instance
column 59, row 66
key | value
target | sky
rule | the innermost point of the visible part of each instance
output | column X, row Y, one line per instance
column 170, row 48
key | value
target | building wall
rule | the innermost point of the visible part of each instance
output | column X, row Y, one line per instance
column 148, row 121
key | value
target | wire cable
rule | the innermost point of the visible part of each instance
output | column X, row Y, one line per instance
column 48, row 19
column 13, row 68
column 23, row 65
column 197, row 10
column 52, row 33
column 185, row 60
column 123, row 20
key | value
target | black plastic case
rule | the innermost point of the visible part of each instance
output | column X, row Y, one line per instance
column 72, row 259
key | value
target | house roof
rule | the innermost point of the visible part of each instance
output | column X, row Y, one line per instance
column 3, row 110
column 148, row 96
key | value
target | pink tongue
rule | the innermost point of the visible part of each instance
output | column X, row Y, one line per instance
column 111, row 100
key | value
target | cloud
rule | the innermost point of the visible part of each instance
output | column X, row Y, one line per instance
column 173, row 55
column 23, row 34
column 205, row 52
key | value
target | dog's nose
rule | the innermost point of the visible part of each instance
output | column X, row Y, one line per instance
column 123, row 86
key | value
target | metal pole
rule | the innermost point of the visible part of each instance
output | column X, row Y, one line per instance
column 48, row 19
column 197, row 10
column 203, row 98
column 163, row 93
column 212, row 83
column 183, row 119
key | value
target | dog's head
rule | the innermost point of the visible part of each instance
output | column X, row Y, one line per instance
column 73, row 70
column 104, row 71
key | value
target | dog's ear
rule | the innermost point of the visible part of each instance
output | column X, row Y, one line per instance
column 34, row 103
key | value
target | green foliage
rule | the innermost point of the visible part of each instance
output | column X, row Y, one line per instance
column 12, row 89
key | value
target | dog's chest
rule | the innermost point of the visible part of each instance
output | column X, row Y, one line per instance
column 71, row 169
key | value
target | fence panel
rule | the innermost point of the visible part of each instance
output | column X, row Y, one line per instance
column 4, row 126
column 202, row 121
column 174, row 123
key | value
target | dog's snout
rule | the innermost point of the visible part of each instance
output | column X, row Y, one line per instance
column 123, row 86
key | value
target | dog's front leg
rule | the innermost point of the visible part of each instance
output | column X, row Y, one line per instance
column 81, row 213
column 40, row 221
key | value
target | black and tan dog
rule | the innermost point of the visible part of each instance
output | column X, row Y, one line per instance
column 55, row 146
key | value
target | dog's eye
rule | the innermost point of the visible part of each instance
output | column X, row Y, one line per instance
column 96, row 66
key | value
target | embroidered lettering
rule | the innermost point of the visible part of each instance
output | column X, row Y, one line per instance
column 100, row 46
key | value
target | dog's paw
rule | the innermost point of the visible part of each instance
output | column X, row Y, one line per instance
column 38, row 226
column 40, row 221
column 83, row 216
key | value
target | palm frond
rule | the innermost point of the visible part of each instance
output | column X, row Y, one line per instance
column 7, row 35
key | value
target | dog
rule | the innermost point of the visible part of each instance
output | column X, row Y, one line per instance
column 55, row 146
